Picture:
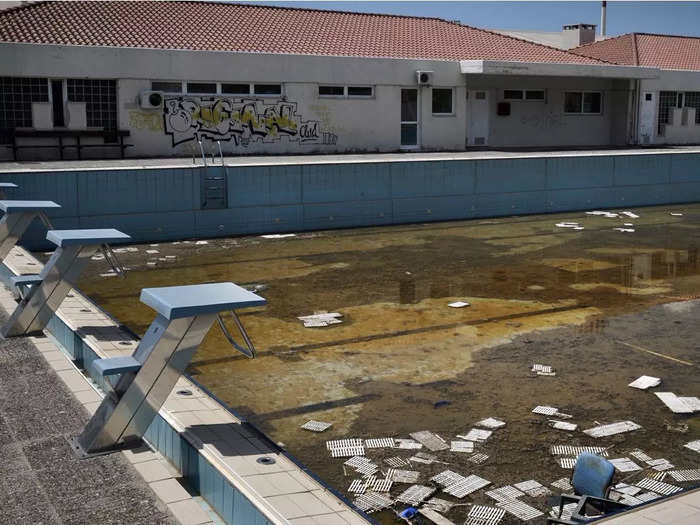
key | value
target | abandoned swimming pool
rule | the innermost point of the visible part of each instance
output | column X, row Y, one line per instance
column 403, row 361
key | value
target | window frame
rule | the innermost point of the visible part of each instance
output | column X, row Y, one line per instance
column 371, row 87
column 583, row 96
column 523, row 95
column 343, row 95
column 221, row 88
column 268, row 95
column 217, row 88
column 451, row 113
column 182, row 86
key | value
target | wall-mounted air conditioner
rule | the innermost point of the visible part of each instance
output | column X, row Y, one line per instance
column 424, row 78
column 151, row 99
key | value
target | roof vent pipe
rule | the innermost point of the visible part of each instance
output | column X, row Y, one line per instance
column 602, row 17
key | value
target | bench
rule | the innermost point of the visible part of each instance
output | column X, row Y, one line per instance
column 112, row 138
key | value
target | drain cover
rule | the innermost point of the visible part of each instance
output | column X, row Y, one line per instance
column 266, row 460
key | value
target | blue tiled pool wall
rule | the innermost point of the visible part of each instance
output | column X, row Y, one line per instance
column 164, row 204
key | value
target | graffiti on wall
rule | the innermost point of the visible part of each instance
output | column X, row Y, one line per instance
column 544, row 121
column 240, row 121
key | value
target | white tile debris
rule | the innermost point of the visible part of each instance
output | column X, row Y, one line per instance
column 415, row 494
column 612, row 429
column 608, row 214
column 675, row 403
column 466, row 486
column 676, row 214
column 461, row 446
column 396, row 462
column 685, row 475
column 624, row 488
column 476, row 434
column 478, row 458
column 693, row 445
column 402, row 476
column 278, row 235
column 152, row 251
column 201, row 243
column 543, row 370
column 647, row 496
column 624, row 230
column 431, row 441
column 630, row 214
column 316, row 426
column 483, row 515
column 423, row 457
column 660, row 464
column 380, row 443
column 491, row 422
column 458, row 304
column 574, row 225
column 640, row 455
column 562, row 425
column 320, row 319
column 562, row 484
column 692, row 402
column 520, row 510
column 409, row 444
column 658, row 486
column 625, row 464
column 533, row 488
column 505, row 493
column 440, row 505
column 644, row 382
column 447, row 478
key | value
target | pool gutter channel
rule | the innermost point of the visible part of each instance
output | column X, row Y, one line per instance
column 208, row 453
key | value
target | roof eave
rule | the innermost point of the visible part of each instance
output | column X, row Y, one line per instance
column 554, row 69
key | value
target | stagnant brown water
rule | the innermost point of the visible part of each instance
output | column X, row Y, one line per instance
column 400, row 348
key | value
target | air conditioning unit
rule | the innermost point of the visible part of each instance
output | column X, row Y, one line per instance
column 424, row 78
column 151, row 99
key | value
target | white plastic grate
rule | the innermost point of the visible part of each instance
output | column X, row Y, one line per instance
column 545, row 410
column 483, row 515
column 567, row 462
column 358, row 486
column 533, row 488
column 396, row 462
column 429, row 440
column 674, row 403
column 569, row 450
column 478, row 459
column 645, row 382
column 612, row 429
column 382, row 485
column 660, row 464
column 693, row 445
column 566, row 511
column 461, row 446
column 658, row 486
column 476, row 434
column 344, row 452
column 372, row 501
column 543, row 370
column 466, row 486
column 379, row 443
column 357, row 461
column 685, row 475
column 440, row 505
column 624, row 488
column 316, row 426
column 657, row 476
column 423, row 457
column 446, row 478
column 491, row 422
column 562, row 425
column 520, row 510
column 562, row 484
column 415, row 494
column 367, row 469
column 640, row 455
column 647, row 496
column 505, row 493
column 625, row 465
column 402, row 476
column 409, row 444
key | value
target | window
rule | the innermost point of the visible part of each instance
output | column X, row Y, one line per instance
column 167, row 87
column 16, row 97
column 235, row 89
column 534, row 94
column 267, row 89
column 360, row 91
column 667, row 100
column 208, row 88
column 523, row 94
column 513, row 94
column 100, row 97
column 442, row 101
column 331, row 91
column 692, row 100
column 585, row 102
column 480, row 95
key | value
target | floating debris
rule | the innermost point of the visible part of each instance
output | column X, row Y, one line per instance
column 483, row 515
column 151, row 263
column 624, row 488
column 440, row 505
column 458, row 304
column 316, row 426
column 624, row 230
column 201, row 243
column 372, row 502
column 278, row 235
column 692, row 402
column 562, row 484
column 658, row 486
column 640, row 455
column 562, row 425
column 396, row 462
column 625, row 465
column 97, row 257
column 566, row 462
column 152, row 251
column 567, row 511
column 343, row 448
column 685, row 475
column 533, row 488
column 357, row 461
column 447, row 478
column 321, row 318
column 461, row 446
column 570, row 450
column 545, row 410
column 407, row 444
column 491, row 422
column 477, row 434
column 478, row 459
column 677, row 404
column 415, row 494
column 612, row 429
column 657, row 476
column 543, row 370
column 630, row 214
column 607, row 214
column 357, row 486
column 382, row 485
column 431, row 441
column 466, row 486
column 380, row 443
column 676, row 214
column 644, row 382
column 423, row 457
column 693, row 445
column 520, row 510
column 506, row 493
column 403, row 476
column 108, row 274
column 660, row 464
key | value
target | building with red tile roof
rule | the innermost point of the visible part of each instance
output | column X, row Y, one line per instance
column 261, row 79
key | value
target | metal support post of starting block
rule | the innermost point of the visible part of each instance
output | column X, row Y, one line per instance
column 185, row 315
column 8, row 186
column 50, row 287
column 18, row 216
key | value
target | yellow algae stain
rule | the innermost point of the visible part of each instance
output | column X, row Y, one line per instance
column 578, row 265
column 655, row 287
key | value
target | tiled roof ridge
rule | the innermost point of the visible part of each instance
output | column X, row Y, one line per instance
column 635, row 51
column 598, row 42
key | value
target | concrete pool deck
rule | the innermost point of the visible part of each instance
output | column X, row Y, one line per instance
column 282, row 160
column 283, row 491
column 679, row 510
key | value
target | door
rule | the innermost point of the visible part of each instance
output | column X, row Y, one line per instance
column 477, row 118
column 57, row 107
column 409, row 119
column 647, row 113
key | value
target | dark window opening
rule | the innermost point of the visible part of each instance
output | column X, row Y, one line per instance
column 692, row 100
column 513, row 94
column 207, row 88
column 442, row 101
column 667, row 100
column 267, row 89
column 331, row 91
column 59, row 120
column 572, row 102
column 100, row 98
column 534, row 94
column 16, row 97
column 359, row 91
column 235, row 89
column 167, row 87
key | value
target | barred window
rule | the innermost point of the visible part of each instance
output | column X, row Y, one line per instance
column 692, row 100
column 667, row 100
column 16, row 97
column 100, row 97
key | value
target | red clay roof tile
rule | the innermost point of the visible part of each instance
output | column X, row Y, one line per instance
column 264, row 29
